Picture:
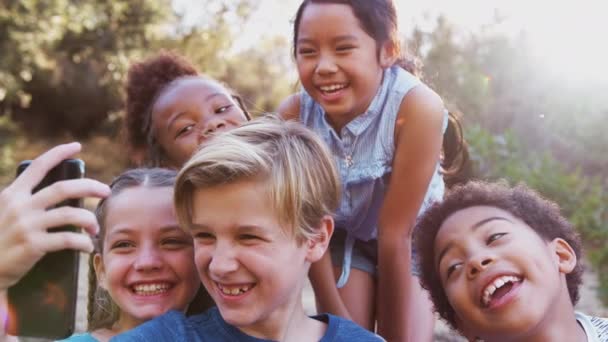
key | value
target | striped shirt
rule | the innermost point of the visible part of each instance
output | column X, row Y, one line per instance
column 596, row 328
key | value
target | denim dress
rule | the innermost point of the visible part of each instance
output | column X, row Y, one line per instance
column 363, row 153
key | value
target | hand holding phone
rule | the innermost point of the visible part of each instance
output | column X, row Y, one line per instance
column 26, row 219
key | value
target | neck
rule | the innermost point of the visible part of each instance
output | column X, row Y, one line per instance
column 125, row 323
column 558, row 324
column 287, row 323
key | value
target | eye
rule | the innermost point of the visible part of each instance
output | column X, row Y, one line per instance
column 184, row 130
column 222, row 109
column 451, row 270
column 305, row 51
column 176, row 242
column 122, row 244
column 249, row 237
column 344, row 48
column 203, row 236
column 494, row 237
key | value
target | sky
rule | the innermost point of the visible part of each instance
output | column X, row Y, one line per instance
column 569, row 35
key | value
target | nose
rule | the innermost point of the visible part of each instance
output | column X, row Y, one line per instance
column 223, row 261
column 478, row 264
column 148, row 259
column 212, row 125
column 326, row 64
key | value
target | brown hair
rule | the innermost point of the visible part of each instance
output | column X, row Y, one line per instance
column 102, row 311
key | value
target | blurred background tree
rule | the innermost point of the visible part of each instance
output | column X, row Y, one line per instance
column 63, row 67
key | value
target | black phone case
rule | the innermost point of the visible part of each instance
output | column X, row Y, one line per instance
column 43, row 302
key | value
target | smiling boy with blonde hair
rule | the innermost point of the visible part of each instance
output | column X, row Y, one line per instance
column 258, row 202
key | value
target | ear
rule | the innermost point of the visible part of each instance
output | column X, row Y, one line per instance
column 388, row 54
column 100, row 271
column 317, row 247
column 565, row 255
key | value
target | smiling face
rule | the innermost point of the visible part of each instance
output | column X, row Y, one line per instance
column 188, row 112
column 251, row 267
column 337, row 61
column 147, row 262
column 498, row 274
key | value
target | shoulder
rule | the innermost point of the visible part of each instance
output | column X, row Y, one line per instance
column 171, row 326
column 421, row 102
column 86, row 337
column 340, row 329
column 421, row 110
column 289, row 109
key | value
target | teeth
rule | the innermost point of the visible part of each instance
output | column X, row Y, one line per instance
column 150, row 289
column 332, row 87
column 496, row 284
column 234, row 291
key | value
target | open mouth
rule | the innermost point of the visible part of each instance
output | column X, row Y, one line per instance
column 234, row 291
column 332, row 88
column 150, row 289
column 498, row 288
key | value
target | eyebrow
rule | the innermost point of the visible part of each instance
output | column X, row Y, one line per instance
column 127, row 230
column 241, row 229
column 178, row 115
column 334, row 40
column 473, row 228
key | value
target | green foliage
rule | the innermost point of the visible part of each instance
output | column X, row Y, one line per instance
column 7, row 148
column 63, row 60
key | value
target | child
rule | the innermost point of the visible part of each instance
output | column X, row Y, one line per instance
column 502, row 263
column 171, row 109
column 258, row 202
column 144, row 265
column 384, row 128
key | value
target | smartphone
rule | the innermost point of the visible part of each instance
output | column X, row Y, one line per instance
column 43, row 303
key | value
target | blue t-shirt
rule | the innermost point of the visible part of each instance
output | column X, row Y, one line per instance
column 210, row 326
column 86, row 337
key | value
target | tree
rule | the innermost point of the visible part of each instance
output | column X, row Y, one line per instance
column 63, row 61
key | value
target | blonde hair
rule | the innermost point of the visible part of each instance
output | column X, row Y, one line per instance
column 303, row 185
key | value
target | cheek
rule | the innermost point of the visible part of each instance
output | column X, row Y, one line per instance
column 116, row 269
column 182, row 262
column 457, row 296
column 202, row 257
column 305, row 69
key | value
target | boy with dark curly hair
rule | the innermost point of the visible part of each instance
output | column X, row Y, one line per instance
column 502, row 263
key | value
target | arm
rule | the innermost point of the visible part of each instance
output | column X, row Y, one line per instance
column 324, row 285
column 24, row 218
column 321, row 272
column 418, row 139
column 289, row 109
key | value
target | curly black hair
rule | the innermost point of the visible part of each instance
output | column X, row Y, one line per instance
column 542, row 215
column 145, row 82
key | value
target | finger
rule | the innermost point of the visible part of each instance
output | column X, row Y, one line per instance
column 40, row 166
column 68, row 189
column 66, row 240
column 67, row 216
